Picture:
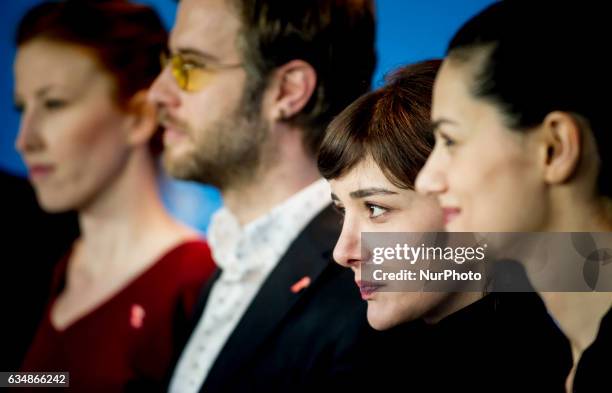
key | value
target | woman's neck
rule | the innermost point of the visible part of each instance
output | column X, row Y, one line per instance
column 580, row 213
column 126, row 218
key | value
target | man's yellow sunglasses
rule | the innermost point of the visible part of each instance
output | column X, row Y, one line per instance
column 189, row 75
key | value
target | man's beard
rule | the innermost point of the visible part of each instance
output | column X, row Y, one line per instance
column 229, row 153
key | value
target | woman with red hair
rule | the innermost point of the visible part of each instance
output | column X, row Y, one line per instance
column 122, row 297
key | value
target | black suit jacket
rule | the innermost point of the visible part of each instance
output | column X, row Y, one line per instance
column 291, row 342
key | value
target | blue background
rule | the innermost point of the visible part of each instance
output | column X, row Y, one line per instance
column 408, row 31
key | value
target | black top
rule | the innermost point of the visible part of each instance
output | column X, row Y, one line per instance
column 590, row 374
column 505, row 342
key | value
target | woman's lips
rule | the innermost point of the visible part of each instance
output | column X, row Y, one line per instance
column 40, row 171
column 450, row 213
column 367, row 289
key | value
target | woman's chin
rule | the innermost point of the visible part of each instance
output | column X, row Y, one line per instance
column 381, row 318
column 52, row 205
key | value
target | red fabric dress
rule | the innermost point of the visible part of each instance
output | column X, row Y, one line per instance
column 129, row 342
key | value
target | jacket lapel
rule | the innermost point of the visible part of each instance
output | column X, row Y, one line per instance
column 308, row 256
column 198, row 309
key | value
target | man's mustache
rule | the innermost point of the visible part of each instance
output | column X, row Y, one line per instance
column 169, row 121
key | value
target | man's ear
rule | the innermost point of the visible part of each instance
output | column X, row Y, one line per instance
column 293, row 86
column 142, row 119
column 563, row 146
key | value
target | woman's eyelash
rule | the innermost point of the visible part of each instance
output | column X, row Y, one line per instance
column 54, row 104
column 448, row 141
column 376, row 210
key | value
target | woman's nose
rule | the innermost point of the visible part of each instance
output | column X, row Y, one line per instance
column 28, row 138
column 431, row 180
column 348, row 248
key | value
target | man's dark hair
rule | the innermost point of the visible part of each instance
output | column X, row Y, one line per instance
column 336, row 37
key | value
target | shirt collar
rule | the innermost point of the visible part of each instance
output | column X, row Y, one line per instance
column 260, row 244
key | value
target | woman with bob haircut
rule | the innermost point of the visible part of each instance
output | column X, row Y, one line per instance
column 464, row 341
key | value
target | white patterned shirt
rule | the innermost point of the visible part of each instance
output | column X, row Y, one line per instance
column 246, row 257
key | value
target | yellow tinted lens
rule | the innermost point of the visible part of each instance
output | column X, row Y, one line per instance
column 197, row 78
column 189, row 77
column 178, row 71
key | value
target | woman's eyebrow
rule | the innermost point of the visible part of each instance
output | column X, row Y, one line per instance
column 366, row 192
column 434, row 125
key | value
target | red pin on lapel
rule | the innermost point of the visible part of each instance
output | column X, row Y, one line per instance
column 301, row 284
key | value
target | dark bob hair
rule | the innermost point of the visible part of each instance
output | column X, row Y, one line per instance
column 391, row 125
column 336, row 37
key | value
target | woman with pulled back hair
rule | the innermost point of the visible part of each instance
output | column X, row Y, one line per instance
column 121, row 298
column 522, row 145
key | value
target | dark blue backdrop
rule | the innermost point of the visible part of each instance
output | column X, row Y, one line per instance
column 408, row 31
